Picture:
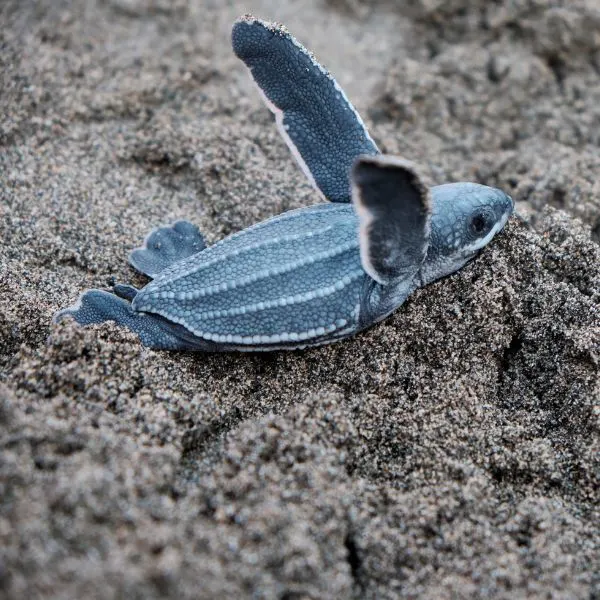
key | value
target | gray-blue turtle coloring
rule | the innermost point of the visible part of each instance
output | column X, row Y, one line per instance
column 314, row 275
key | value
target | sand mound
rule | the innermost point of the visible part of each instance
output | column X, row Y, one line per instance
column 451, row 451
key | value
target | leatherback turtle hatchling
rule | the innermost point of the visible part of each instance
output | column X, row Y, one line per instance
column 314, row 275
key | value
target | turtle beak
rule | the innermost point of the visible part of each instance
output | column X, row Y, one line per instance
column 504, row 209
column 509, row 204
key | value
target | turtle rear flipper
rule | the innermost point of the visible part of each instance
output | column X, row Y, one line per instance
column 165, row 246
column 99, row 306
column 316, row 119
column 394, row 209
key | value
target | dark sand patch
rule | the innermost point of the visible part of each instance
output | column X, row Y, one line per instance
column 451, row 451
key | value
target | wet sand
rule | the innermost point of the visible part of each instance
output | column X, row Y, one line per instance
column 451, row 451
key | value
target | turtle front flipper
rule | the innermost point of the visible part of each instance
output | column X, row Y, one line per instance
column 165, row 246
column 99, row 306
column 394, row 210
column 316, row 119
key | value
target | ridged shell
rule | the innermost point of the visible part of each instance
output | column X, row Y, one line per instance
column 294, row 277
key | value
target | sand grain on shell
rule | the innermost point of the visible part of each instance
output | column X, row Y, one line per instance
column 451, row 451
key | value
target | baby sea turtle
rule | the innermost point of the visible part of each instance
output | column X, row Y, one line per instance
column 314, row 275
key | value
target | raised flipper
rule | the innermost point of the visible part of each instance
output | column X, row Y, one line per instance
column 98, row 306
column 394, row 209
column 165, row 246
column 321, row 127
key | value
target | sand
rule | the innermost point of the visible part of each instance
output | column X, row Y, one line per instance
column 452, row 451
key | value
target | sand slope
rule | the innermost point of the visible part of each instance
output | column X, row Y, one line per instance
column 450, row 452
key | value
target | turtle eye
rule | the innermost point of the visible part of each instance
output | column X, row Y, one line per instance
column 478, row 224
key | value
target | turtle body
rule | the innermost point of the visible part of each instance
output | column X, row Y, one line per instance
column 309, row 276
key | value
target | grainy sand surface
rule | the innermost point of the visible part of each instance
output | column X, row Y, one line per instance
column 450, row 452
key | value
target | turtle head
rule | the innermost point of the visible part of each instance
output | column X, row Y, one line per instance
column 464, row 218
